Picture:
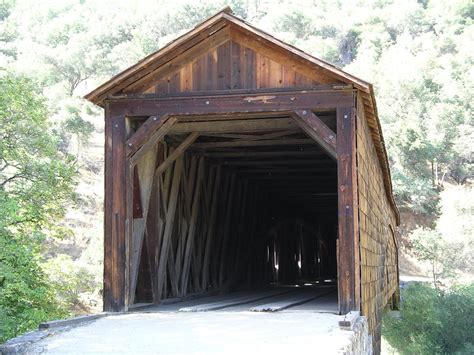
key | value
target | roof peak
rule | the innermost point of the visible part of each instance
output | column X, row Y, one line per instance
column 205, row 29
column 227, row 10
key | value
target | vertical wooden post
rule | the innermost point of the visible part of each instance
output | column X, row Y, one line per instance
column 348, row 245
column 115, row 210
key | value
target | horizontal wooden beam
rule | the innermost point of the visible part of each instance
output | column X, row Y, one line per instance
column 252, row 143
column 285, row 189
column 282, row 174
column 251, row 154
column 288, row 188
column 310, row 195
column 273, row 135
column 315, row 87
column 233, row 116
column 317, row 130
column 254, row 137
column 283, row 102
column 281, row 170
column 293, row 162
column 314, row 179
column 256, row 125
column 306, row 182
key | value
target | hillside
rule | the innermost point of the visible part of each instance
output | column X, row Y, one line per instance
column 418, row 55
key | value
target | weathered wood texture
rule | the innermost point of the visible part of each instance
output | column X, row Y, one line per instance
column 317, row 130
column 348, row 253
column 367, row 105
column 225, row 104
column 115, row 211
column 378, row 246
column 149, row 133
column 229, row 66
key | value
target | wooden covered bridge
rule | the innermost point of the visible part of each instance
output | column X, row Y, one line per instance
column 235, row 161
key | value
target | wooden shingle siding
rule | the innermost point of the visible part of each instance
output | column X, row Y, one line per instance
column 378, row 249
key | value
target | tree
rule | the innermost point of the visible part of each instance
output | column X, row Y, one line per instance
column 420, row 65
column 36, row 178
column 428, row 245
column 36, row 184
column 8, row 31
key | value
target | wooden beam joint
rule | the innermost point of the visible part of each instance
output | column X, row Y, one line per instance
column 177, row 152
column 148, row 135
column 317, row 130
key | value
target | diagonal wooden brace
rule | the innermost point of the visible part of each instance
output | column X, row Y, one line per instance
column 317, row 130
column 154, row 129
column 177, row 152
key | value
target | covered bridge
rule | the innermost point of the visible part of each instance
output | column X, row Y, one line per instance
column 234, row 160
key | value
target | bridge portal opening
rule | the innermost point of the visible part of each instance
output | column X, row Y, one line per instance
column 234, row 204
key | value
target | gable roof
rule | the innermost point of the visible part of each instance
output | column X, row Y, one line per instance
column 223, row 19
column 205, row 29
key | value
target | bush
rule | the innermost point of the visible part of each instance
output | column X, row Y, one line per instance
column 26, row 296
column 433, row 321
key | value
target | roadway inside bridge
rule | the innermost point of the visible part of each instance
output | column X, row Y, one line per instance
column 319, row 296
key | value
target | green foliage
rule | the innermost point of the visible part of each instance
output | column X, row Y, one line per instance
column 36, row 179
column 432, row 321
column 26, row 296
column 447, row 247
column 428, row 245
column 36, row 183
column 75, row 124
column 69, row 280
column 456, row 224
column 424, row 97
column 8, row 32
column 296, row 22
column 76, row 130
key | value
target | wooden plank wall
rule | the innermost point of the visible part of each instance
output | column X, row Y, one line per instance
column 378, row 248
column 230, row 66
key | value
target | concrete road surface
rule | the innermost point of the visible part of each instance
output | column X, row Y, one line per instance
column 216, row 332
